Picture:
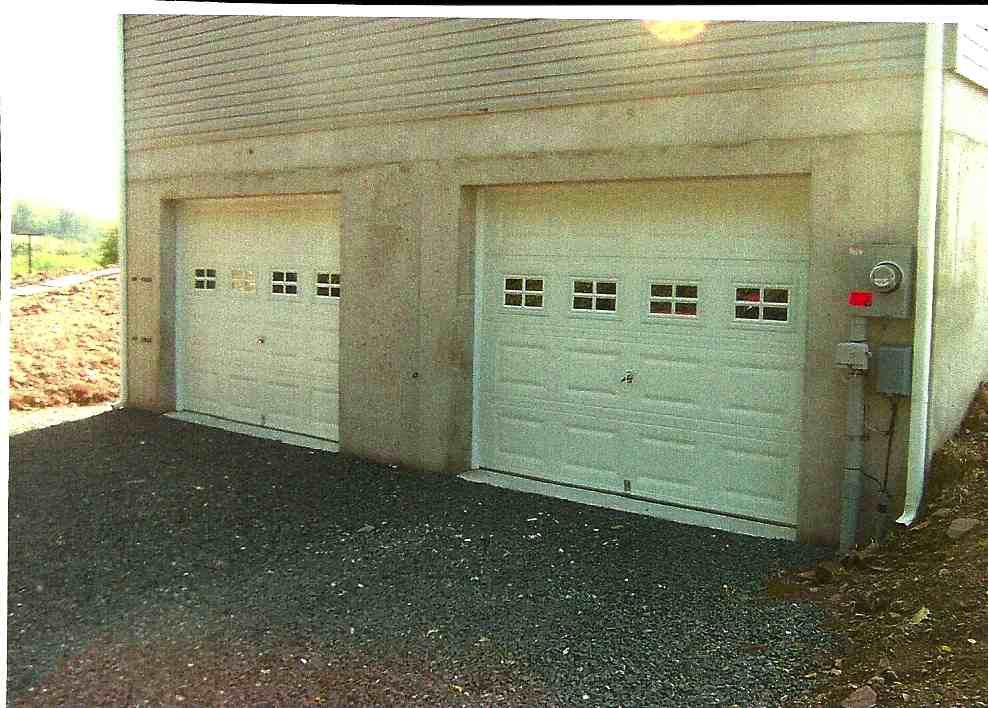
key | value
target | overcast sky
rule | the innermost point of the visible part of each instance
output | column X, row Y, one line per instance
column 60, row 98
column 60, row 89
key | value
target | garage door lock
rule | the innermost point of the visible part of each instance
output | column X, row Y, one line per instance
column 629, row 377
column 260, row 340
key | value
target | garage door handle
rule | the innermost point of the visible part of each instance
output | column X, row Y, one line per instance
column 629, row 377
column 260, row 340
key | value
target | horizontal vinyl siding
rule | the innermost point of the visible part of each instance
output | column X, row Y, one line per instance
column 971, row 60
column 192, row 79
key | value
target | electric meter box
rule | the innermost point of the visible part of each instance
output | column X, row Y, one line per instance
column 880, row 279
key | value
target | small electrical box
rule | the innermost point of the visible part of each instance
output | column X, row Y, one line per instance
column 853, row 355
column 880, row 282
column 895, row 369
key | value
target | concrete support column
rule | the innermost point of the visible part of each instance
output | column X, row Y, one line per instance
column 444, row 337
column 404, row 346
column 378, row 316
column 143, row 300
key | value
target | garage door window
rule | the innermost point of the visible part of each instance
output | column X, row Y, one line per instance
column 594, row 295
column 671, row 299
column 328, row 285
column 524, row 292
column 205, row 279
column 243, row 281
column 761, row 303
column 284, row 282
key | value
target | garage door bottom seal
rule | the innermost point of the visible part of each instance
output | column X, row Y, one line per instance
column 233, row 426
column 632, row 503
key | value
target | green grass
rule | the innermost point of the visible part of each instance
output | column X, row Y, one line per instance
column 52, row 254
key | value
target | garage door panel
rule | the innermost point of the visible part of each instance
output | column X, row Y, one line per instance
column 521, row 443
column 591, row 372
column 674, row 381
column 668, row 465
column 322, row 402
column 220, row 393
column 271, row 346
column 520, row 368
column 588, row 453
column 761, row 396
column 711, row 418
column 758, row 485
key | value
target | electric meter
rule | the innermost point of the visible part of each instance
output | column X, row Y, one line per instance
column 880, row 279
column 885, row 276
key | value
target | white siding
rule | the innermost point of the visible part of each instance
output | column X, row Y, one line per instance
column 203, row 78
column 970, row 52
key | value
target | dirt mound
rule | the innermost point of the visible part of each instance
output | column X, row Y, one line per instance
column 65, row 346
column 913, row 609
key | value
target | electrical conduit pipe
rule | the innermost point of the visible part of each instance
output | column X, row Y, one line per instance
column 854, row 455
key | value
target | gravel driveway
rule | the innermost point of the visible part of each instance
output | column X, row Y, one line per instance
column 154, row 562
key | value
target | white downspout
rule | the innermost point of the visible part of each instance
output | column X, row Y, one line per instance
column 925, row 270
column 122, row 234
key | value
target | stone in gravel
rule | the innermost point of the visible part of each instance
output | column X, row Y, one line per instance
column 940, row 513
column 825, row 571
column 365, row 529
column 864, row 697
column 959, row 527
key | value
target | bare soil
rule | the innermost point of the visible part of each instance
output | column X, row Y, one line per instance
column 913, row 610
column 65, row 346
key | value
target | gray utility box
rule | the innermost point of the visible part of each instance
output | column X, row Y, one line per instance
column 895, row 369
column 880, row 279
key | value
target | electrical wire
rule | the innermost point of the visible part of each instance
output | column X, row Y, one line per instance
column 891, row 436
column 890, row 432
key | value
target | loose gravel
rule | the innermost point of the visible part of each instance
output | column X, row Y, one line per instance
column 155, row 562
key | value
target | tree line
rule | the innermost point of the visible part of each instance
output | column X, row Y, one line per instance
column 54, row 221
column 100, row 237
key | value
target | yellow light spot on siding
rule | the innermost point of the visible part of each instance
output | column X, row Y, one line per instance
column 675, row 31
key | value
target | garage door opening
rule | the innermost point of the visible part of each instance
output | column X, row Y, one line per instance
column 258, row 287
column 646, row 340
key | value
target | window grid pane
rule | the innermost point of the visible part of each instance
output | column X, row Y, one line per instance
column 243, row 280
column 764, row 304
column 524, row 292
column 284, row 282
column 327, row 284
column 204, row 278
column 674, row 300
column 594, row 295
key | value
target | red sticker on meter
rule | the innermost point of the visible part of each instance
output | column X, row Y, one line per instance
column 859, row 298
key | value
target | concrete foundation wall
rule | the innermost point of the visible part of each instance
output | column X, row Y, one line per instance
column 408, row 242
column 960, row 324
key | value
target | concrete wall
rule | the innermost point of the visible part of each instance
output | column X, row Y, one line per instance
column 408, row 240
column 960, row 324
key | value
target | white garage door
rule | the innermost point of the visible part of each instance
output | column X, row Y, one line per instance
column 647, row 339
column 258, row 292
